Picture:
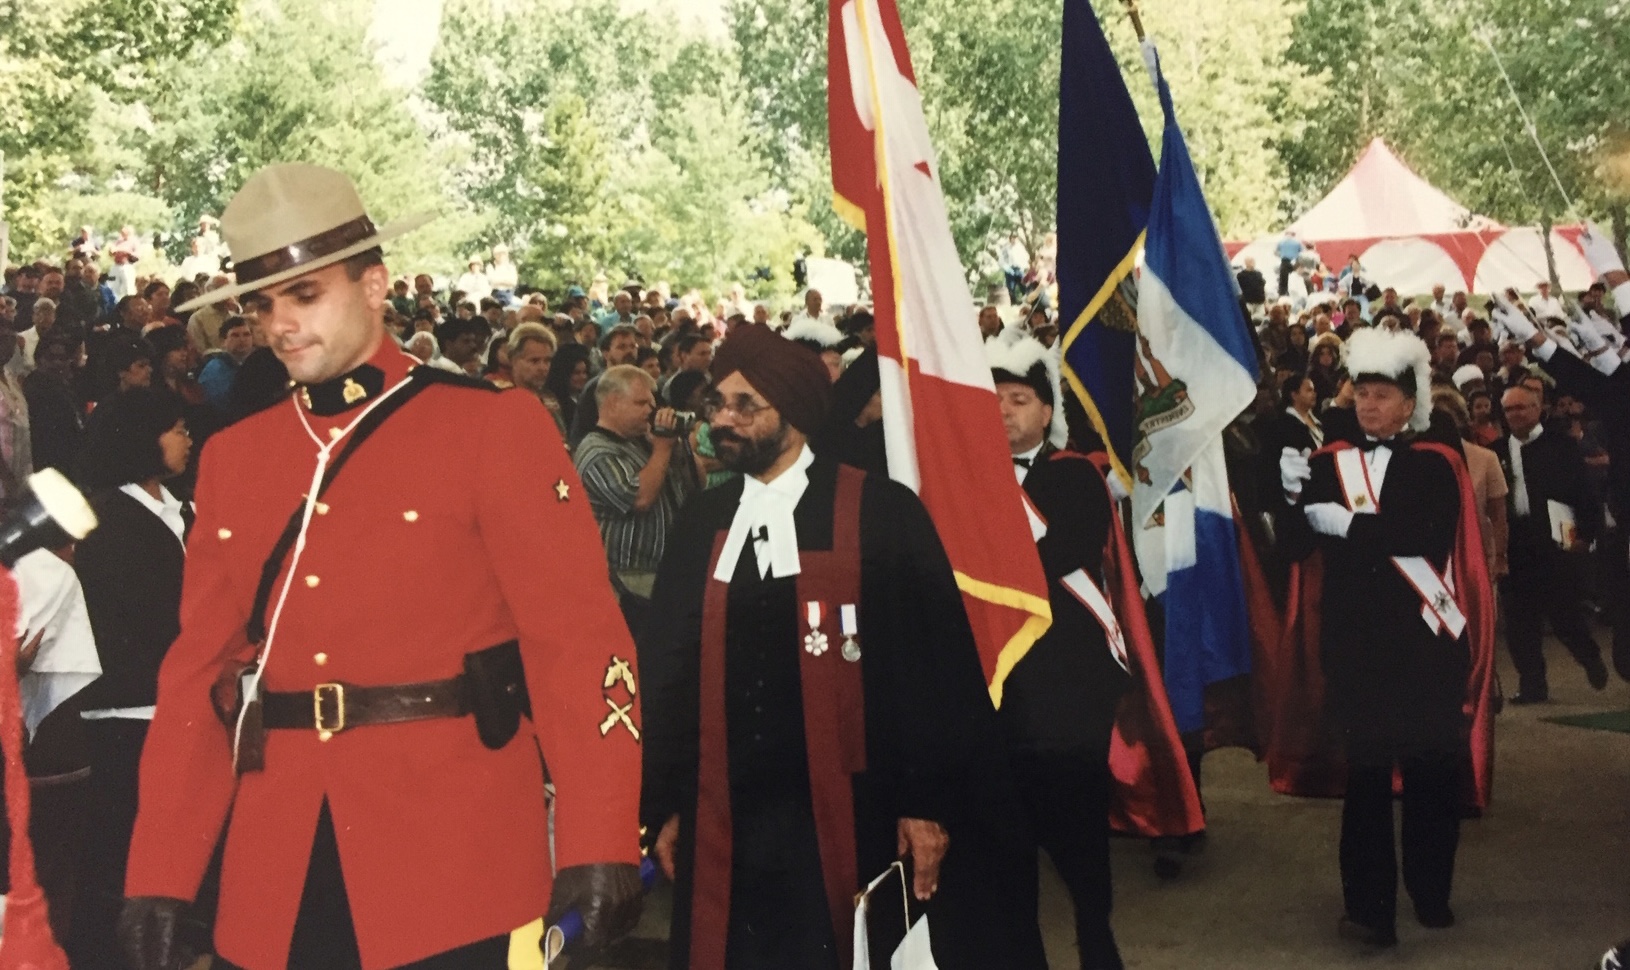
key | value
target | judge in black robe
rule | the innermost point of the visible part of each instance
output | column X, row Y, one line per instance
column 930, row 750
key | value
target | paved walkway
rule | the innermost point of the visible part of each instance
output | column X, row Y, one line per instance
column 1543, row 881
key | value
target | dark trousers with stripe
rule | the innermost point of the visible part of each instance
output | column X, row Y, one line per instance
column 1066, row 799
column 1430, row 835
column 1544, row 587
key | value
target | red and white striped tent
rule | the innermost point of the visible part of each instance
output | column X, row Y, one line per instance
column 1411, row 236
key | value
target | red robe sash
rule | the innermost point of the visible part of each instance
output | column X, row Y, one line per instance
column 834, row 732
column 1303, row 754
column 1154, row 793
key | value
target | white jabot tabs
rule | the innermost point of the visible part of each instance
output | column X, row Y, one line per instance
column 764, row 517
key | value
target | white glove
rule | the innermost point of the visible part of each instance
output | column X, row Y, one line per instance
column 1329, row 518
column 1514, row 322
column 1587, row 337
column 1116, row 487
column 1599, row 251
column 1294, row 470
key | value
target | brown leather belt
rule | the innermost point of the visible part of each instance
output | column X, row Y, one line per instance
column 335, row 707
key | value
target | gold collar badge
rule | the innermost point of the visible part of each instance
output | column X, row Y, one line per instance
column 353, row 392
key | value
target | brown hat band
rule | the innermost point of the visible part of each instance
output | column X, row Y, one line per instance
column 305, row 251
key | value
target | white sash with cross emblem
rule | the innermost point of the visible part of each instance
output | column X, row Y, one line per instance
column 1439, row 608
column 1084, row 589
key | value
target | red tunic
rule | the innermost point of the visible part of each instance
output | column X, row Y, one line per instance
column 458, row 525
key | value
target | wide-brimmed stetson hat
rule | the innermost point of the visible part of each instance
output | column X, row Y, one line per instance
column 290, row 219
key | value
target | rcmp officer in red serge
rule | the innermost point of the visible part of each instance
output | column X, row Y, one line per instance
column 815, row 705
column 403, row 746
column 1397, row 645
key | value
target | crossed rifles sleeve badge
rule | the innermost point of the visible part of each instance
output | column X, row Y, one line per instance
column 619, row 671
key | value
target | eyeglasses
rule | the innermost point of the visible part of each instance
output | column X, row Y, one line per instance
column 744, row 407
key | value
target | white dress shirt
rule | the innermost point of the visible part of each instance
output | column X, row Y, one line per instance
column 1519, row 481
column 802, row 317
column 52, row 607
column 167, row 507
column 1376, row 461
column 765, row 518
column 1021, row 472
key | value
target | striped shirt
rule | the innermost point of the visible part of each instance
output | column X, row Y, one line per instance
column 610, row 468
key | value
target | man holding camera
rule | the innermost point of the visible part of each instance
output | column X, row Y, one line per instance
column 636, row 465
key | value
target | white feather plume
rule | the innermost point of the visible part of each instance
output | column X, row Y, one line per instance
column 1372, row 350
column 818, row 331
column 1017, row 356
column 1466, row 374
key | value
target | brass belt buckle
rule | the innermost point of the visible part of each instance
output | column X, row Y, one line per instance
column 326, row 730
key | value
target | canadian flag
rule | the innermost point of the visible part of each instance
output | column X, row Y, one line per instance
column 941, row 422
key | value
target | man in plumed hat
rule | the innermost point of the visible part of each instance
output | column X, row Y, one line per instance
column 825, row 340
column 1405, row 639
column 814, row 705
column 381, row 763
column 1059, row 703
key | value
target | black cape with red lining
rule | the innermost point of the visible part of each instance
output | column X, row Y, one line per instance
column 1357, row 669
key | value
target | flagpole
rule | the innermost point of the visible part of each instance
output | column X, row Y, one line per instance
column 1137, row 19
column 1487, row 38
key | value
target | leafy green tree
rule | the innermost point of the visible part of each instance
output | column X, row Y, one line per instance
column 298, row 83
column 559, row 199
column 989, row 77
column 1420, row 74
column 632, row 156
column 58, row 61
column 1238, row 97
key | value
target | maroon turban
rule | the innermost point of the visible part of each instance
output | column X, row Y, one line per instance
column 790, row 376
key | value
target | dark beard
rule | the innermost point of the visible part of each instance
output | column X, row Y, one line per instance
column 750, row 456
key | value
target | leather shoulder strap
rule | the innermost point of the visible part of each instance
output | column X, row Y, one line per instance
column 421, row 378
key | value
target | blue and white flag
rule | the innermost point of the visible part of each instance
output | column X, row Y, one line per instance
column 1196, row 371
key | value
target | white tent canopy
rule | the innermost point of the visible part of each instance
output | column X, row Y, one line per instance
column 1409, row 235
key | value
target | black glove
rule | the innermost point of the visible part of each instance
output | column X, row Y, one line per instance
column 150, row 932
column 608, row 895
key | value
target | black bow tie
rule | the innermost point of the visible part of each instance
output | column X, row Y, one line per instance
column 1370, row 444
column 1022, row 462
